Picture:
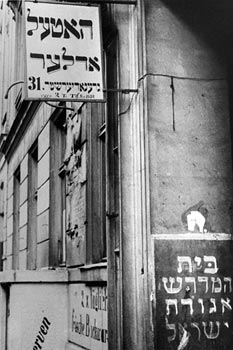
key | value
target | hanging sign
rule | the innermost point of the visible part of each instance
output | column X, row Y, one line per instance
column 63, row 52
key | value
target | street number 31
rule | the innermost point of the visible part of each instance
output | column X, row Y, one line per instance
column 34, row 83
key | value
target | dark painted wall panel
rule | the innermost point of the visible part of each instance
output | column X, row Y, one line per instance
column 194, row 294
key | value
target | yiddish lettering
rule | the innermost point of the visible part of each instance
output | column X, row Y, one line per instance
column 63, row 52
column 196, row 290
column 60, row 28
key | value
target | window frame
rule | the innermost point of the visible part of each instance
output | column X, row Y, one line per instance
column 16, row 219
column 57, row 212
column 32, row 206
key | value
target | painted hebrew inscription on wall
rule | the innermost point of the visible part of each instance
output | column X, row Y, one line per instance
column 194, row 297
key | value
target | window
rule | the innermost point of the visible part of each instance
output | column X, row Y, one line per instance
column 93, row 211
column 18, row 50
column 16, row 210
column 102, row 157
column 32, row 206
column 112, row 143
column 112, row 190
column 2, row 203
column 103, row 179
column 96, row 185
column 57, row 189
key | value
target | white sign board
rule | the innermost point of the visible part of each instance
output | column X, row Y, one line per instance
column 38, row 316
column 63, row 52
column 88, row 316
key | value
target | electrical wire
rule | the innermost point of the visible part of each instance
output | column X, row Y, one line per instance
column 172, row 77
column 178, row 77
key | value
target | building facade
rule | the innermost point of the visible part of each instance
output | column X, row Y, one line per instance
column 116, row 217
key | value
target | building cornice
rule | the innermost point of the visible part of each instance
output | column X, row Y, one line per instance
column 96, row 273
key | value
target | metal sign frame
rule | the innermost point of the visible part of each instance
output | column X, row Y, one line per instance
column 90, row 2
column 122, row 2
column 83, row 59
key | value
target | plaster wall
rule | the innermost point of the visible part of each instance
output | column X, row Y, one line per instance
column 188, row 118
column 38, row 128
column 39, row 319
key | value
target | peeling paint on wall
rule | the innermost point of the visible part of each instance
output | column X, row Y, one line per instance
column 76, row 175
column 195, row 218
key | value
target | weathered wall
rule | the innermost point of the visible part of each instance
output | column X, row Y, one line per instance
column 76, row 170
column 188, row 114
column 39, row 319
column 39, row 127
column 186, row 39
column 6, row 64
column 87, row 317
column 191, row 314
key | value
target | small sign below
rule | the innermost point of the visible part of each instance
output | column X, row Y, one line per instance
column 63, row 52
column 194, row 292
column 88, row 316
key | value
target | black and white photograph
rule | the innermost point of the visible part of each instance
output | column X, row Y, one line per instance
column 116, row 174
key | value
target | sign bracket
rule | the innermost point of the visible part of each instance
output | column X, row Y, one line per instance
column 122, row 2
column 11, row 86
column 123, row 91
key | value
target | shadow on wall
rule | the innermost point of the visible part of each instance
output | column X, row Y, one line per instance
column 211, row 20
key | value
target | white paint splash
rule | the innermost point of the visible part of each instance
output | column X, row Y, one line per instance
column 195, row 219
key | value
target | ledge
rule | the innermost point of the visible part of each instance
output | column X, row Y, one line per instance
column 35, row 276
column 72, row 346
column 95, row 273
column 7, row 276
column 94, row 266
column 194, row 236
